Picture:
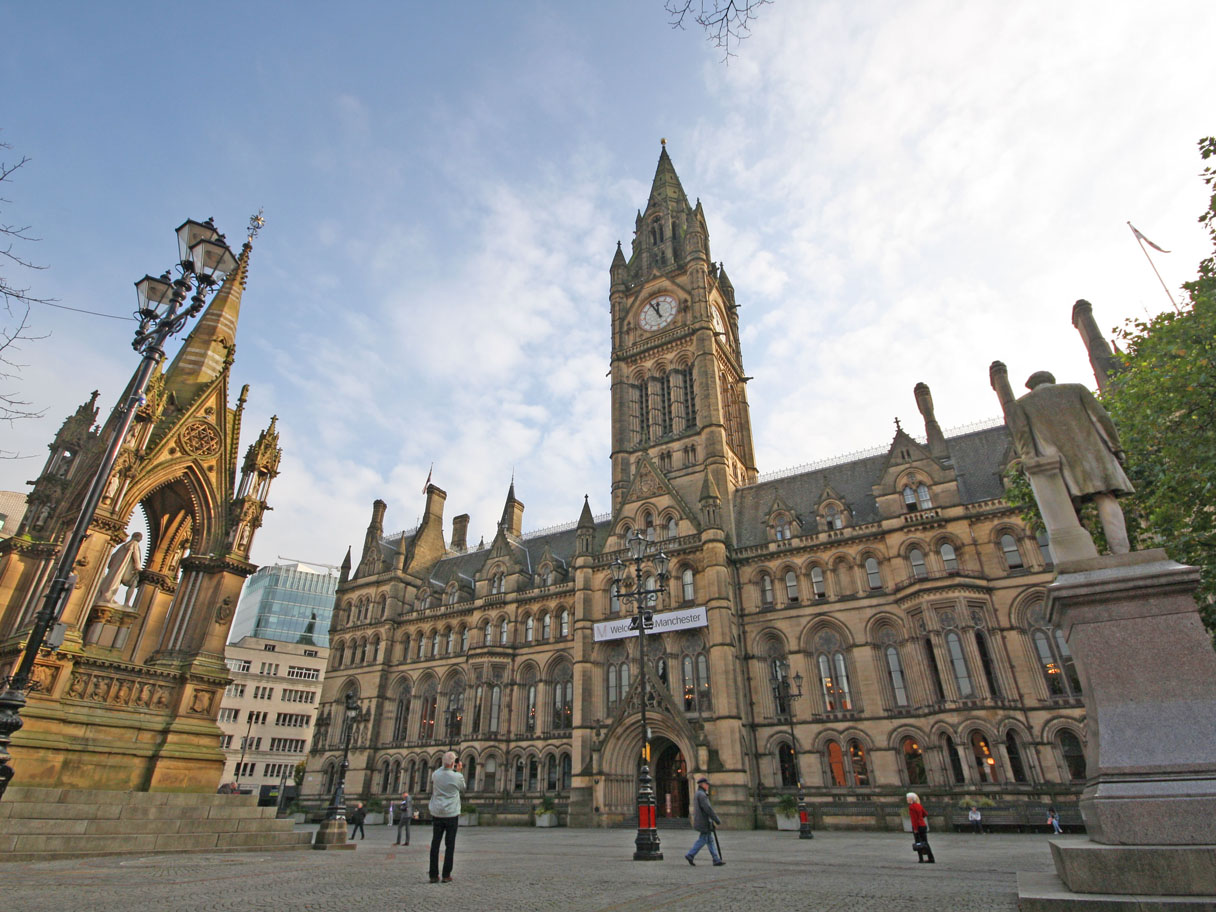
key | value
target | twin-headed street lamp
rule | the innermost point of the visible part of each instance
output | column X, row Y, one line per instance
column 351, row 716
column 643, row 599
column 204, row 260
column 785, row 697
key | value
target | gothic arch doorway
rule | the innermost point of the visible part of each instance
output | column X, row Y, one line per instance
column 670, row 779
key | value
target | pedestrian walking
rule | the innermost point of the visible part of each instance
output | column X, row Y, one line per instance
column 975, row 817
column 920, row 829
column 357, row 817
column 703, row 820
column 446, row 785
column 404, row 812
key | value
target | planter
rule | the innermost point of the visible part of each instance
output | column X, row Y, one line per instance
column 468, row 820
column 547, row 820
column 374, row 819
column 299, row 818
column 785, row 822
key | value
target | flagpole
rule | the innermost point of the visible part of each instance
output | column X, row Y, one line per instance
column 1140, row 239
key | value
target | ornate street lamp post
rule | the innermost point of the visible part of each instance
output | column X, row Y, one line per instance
column 643, row 600
column 351, row 717
column 786, row 697
column 204, row 260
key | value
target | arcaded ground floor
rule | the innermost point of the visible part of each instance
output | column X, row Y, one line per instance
column 517, row 868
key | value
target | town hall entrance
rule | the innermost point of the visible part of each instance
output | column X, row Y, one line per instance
column 670, row 779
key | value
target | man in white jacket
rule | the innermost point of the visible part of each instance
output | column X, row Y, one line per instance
column 446, row 785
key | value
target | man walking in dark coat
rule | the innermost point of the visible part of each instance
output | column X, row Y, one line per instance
column 703, row 820
column 357, row 817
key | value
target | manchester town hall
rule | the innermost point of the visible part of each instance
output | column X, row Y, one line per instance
column 867, row 626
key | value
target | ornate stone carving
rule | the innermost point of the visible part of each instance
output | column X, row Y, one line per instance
column 224, row 611
column 200, row 703
column 77, row 687
column 200, row 439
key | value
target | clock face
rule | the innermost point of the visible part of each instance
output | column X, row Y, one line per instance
column 658, row 312
column 716, row 316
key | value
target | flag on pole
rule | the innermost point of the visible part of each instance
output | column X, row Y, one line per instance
column 427, row 483
column 1141, row 237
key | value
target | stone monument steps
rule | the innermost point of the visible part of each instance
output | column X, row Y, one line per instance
column 41, row 824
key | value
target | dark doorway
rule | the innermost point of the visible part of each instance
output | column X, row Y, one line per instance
column 670, row 780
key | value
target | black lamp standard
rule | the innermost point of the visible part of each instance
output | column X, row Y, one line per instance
column 351, row 717
column 204, row 259
column 244, row 747
column 785, row 698
column 643, row 599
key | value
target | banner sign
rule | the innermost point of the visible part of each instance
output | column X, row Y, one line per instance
column 668, row 620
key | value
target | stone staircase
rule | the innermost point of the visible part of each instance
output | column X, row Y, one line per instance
column 39, row 824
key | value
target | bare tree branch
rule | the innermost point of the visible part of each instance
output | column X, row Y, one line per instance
column 724, row 21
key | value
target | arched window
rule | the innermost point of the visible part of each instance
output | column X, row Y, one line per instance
column 916, row 558
column 530, row 707
column 435, row 644
column 958, row 663
column 533, row 774
column 833, row 674
column 487, row 634
column 489, row 775
column 949, row 558
column 791, row 586
column 423, row 601
column 766, row 591
column 338, row 652
column 430, row 704
column 614, row 599
column 450, row 646
column 450, row 596
column 672, row 527
column 914, row 762
column 835, row 765
column 470, row 771
column 454, row 722
column 618, row 677
column 909, row 499
column 396, row 783
column 519, row 774
column 551, row 774
column 563, row 623
column 785, row 765
column 935, row 674
column 612, row 685
column 478, row 697
column 817, row 583
column 922, row 496
column 1009, row 550
column 1055, row 658
column 832, row 518
column 1073, row 754
column 1013, row 749
column 781, row 528
column 651, row 584
column 401, row 713
column 495, row 708
column 857, row 761
column 563, row 699
column 502, row 632
column 688, row 592
column 464, row 639
column 422, row 645
column 546, row 626
column 986, row 663
column 956, row 764
column 363, row 652
column 529, row 629
column 873, row 577
column 985, row 763
column 567, row 772
column 895, row 675
column 648, row 526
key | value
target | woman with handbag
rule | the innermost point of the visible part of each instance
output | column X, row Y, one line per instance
column 920, row 829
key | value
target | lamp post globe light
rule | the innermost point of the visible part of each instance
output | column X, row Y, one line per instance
column 203, row 261
column 785, row 698
column 644, row 600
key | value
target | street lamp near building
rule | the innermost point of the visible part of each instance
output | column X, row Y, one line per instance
column 786, row 696
column 644, row 600
column 203, row 261
column 333, row 828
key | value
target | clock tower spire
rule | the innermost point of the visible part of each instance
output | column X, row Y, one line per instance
column 679, row 398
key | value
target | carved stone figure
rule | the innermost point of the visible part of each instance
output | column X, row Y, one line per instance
column 201, row 702
column 76, row 688
column 101, row 687
column 1072, row 454
column 124, row 692
column 145, row 695
column 122, row 570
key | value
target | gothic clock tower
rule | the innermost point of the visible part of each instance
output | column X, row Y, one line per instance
column 679, row 398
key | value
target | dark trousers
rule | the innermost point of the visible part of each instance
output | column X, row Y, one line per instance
column 356, row 827
column 403, row 824
column 920, row 842
column 443, row 829
column 977, row 826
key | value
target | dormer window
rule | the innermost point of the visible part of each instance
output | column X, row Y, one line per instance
column 832, row 518
column 781, row 529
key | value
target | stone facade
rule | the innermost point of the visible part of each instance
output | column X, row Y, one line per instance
column 129, row 698
column 898, row 587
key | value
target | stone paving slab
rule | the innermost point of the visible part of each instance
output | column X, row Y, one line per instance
column 524, row 868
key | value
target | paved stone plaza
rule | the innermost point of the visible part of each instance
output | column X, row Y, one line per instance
column 505, row 868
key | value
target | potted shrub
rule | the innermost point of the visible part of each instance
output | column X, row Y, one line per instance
column 546, row 812
column 787, row 812
column 468, row 814
column 375, row 811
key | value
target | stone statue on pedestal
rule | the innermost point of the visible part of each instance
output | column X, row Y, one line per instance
column 1071, row 451
column 121, row 570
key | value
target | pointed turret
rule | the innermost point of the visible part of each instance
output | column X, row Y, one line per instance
column 208, row 349
column 585, row 534
column 618, row 268
column 344, row 571
column 728, row 290
column 512, row 514
column 711, row 501
column 666, row 189
column 369, row 563
column 1101, row 358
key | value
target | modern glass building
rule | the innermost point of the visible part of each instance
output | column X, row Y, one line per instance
column 291, row 603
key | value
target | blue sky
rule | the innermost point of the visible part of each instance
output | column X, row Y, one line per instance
column 899, row 191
